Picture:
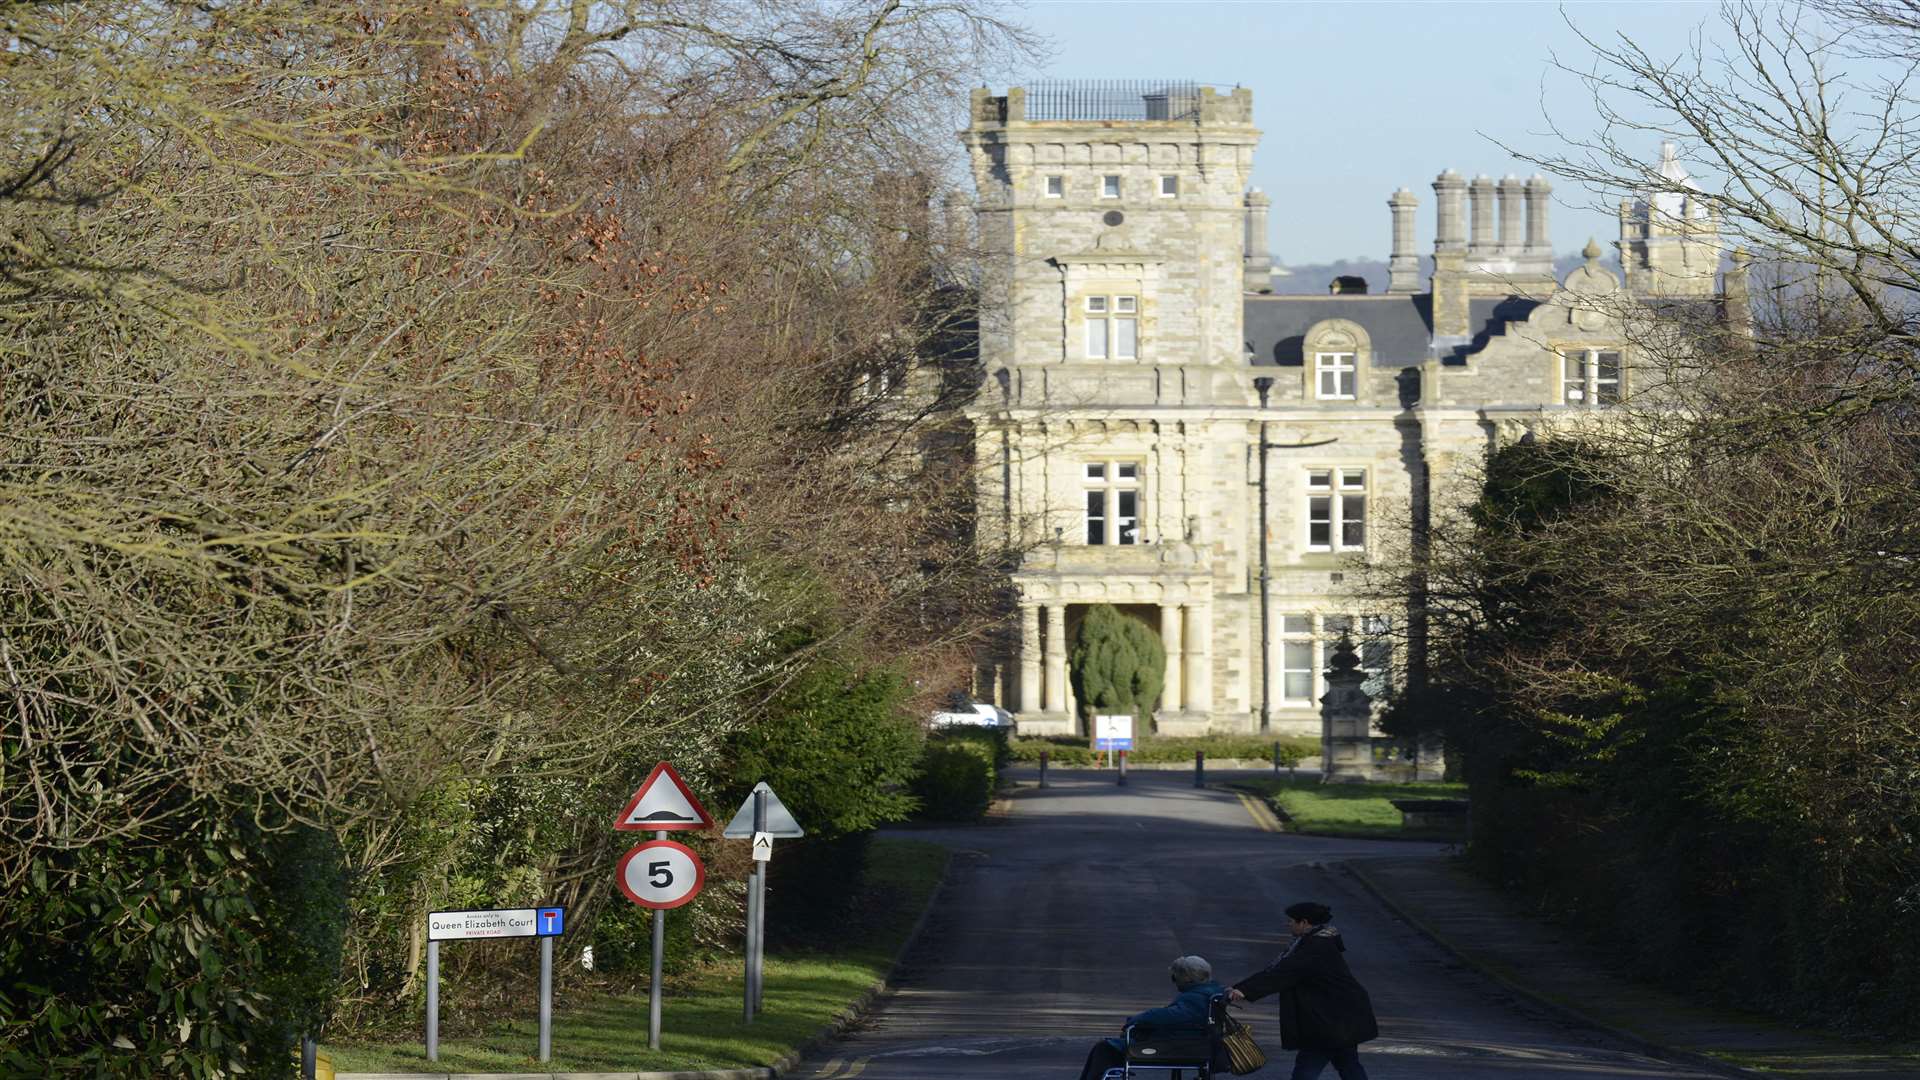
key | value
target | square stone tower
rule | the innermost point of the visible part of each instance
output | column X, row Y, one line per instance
column 1112, row 217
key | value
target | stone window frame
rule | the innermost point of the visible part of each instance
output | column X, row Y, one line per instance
column 1053, row 186
column 1335, row 336
column 1110, row 485
column 1590, row 382
column 1338, row 488
column 1111, row 181
column 1111, row 274
column 1165, row 178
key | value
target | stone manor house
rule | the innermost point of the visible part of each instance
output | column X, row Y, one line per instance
column 1134, row 356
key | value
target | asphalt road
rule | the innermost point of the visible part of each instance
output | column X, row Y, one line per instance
column 1061, row 921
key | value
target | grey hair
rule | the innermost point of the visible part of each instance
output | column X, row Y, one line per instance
column 1190, row 971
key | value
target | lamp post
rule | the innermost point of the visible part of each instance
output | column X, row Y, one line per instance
column 1263, row 385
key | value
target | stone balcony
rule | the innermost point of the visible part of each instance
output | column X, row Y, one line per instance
column 1177, row 559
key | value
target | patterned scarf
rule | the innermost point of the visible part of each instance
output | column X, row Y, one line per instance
column 1325, row 930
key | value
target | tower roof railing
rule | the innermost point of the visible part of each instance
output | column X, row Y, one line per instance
column 1112, row 99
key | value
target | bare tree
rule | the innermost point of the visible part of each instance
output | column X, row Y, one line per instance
column 394, row 387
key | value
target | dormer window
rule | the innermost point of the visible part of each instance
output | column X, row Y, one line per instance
column 1334, row 376
column 1110, row 187
column 1113, row 327
column 1590, row 377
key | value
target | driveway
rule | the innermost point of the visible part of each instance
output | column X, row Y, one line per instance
column 1060, row 921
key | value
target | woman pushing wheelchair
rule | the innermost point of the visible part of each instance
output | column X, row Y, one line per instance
column 1325, row 1014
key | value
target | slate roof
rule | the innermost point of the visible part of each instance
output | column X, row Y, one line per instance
column 1399, row 324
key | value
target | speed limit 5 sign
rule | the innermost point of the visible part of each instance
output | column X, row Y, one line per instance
column 660, row 874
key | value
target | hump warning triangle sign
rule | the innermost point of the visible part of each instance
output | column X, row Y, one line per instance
column 663, row 802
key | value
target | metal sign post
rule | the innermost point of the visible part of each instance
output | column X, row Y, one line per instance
column 433, row 1000
column 756, row 954
column 1114, row 734
column 761, row 818
column 544, row 923
column 660, row 874
column 546, row 998
column 653, row 981
column 752, row 942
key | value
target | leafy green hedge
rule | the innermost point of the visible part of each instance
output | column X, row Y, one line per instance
column 188, row 949
column 958, row 772
column 955, row 784
column 1073, row 750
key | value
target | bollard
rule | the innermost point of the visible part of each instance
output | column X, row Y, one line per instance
column 1043, row 768
column 1199, row 768
column 1123, row 768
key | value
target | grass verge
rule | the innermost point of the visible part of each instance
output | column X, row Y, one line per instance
column 700, row 1025
column 1351, row 810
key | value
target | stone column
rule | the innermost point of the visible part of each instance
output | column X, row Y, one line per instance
column 1200, row 657
column 1403, row 267
column 1056, row 680
column 1029, row 658
column 1513, row 198
column 1171, row 639
column 1480, row 198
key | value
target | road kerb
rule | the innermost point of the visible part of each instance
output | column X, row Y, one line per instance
column 1553, row 1005
column 1263, row 816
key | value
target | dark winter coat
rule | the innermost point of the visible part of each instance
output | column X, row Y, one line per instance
column 1322, row 1006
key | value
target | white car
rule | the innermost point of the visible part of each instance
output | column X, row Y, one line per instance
column 975, row 714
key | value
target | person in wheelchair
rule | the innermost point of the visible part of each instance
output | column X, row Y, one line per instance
column 1184, row 1018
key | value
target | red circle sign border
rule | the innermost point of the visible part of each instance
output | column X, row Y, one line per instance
column 699, row 874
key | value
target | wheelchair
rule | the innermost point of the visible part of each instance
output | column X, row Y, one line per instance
column 1178, row 1055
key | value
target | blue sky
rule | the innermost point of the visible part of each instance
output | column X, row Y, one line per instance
column 1358, row 99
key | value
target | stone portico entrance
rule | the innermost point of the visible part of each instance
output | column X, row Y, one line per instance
column 1166, row 579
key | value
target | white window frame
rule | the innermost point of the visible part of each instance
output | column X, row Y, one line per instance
column 1106, row 480
column 1345, row 369
column 1296, row 630
column 1054, row 187
column 1110, row 186
column 1112, row 327
column 1581, row 384
column 1332, row 491
column 1169, row 185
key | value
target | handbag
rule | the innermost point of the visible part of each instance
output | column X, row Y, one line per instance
column 1243, row 1054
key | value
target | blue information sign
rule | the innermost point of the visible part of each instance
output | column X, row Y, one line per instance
column 550, row 922
column 1113, row 732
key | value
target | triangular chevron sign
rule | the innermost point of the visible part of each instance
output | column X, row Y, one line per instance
column 663, row 803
